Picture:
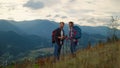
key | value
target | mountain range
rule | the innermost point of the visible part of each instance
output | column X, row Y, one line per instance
column 19, row 37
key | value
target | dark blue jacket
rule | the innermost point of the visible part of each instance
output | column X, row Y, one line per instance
column 58, row 34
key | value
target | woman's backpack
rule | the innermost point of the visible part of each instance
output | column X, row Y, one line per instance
column 77, row 32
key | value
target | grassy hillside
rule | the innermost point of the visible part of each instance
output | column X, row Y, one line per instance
column 104, row 55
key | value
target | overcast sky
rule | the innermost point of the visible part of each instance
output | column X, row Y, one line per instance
column 83, row 12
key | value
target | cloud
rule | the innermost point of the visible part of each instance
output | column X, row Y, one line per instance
column 71, row 0
column 86, row 11
column 60, row 16
column 39, row 4
column 50, row 3
column 34, row 4
column 49, row 15
column 63, row 17
column 57, row 15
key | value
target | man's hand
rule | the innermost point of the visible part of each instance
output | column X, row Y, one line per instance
column 61, row 37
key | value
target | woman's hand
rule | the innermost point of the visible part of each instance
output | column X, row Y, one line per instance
column 74, row 40
column 61, row 37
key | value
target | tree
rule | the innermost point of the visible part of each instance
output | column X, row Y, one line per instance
column 113, row 27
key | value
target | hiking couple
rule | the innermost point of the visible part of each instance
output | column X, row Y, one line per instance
column 58, row 37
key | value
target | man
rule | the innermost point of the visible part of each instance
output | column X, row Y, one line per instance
column 73, row 40
column 59, row 40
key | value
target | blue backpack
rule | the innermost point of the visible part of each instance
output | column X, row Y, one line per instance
column 77, row 32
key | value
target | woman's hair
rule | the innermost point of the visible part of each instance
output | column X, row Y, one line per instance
column 71, row 23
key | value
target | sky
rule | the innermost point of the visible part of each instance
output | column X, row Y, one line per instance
column 82, row 12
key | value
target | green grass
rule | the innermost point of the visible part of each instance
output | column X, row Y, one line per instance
column 36, row 66
column 10, row 66
column 101, row 56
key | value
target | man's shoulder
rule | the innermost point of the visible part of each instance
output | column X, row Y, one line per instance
column 58, row 29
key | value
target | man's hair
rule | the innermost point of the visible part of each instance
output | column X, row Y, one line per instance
column 62, row 23
column 71, row 23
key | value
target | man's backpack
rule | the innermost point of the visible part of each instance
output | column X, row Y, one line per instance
column 53, row 35
column 77, row 32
